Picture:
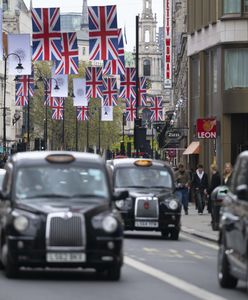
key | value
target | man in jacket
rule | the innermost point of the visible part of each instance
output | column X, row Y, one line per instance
column 200, row 187
column 182, row 186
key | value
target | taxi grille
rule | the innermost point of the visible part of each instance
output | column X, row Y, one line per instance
column 65, row 230
column 146, row 207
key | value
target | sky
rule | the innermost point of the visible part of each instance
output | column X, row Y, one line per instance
column 127, row 10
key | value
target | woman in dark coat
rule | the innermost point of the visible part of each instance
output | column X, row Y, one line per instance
column 215, row 181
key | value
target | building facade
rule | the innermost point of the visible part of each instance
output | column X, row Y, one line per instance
column 218, row 75
column 16, row 19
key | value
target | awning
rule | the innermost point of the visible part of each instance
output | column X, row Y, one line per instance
column 193, row 148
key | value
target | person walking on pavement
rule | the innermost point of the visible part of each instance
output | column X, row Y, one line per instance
column 200, row 187
column 227, row 174
column 182, row 186
column 215, row 181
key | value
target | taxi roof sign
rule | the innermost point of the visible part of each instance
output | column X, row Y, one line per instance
column 60, row 158
column 143, row 163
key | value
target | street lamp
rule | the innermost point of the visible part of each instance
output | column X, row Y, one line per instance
column 19, row 67
column 46, row 81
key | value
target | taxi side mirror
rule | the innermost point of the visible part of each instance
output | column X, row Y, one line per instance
column 242, row 192
column 120, row 195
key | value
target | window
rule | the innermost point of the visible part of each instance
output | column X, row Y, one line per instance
column 146, row 68
column 214, row 71
column 147, row 36
column 147, row 4
column 246, row 6
column 83, row 50
column 232, row 6
column 5, row 5
column 236, row 68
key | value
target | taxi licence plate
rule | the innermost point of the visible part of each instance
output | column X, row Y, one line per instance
column 148, row 224
column 65, row 257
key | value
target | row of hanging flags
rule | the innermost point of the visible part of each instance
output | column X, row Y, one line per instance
column 105, row 43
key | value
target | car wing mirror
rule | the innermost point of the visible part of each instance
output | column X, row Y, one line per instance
column 219, row 193
column 120, row 195
column 242, row 192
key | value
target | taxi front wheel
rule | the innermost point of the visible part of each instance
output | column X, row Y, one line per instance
column 114, row 273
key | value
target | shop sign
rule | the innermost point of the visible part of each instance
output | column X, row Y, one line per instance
column 206, row 128
column 173, row 134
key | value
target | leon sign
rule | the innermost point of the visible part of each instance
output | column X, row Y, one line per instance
column 206, row 128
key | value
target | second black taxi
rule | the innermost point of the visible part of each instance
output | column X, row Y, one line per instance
column 152, row 204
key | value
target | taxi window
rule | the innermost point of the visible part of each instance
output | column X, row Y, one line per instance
column 142, row 177
column 60, row 180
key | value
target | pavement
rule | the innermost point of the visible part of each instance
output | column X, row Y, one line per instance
column 198, row 225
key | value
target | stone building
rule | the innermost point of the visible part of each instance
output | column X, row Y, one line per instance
column 218, row 75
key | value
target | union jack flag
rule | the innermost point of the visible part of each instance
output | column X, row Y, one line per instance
column 69, row 61
column 142, row 91
column 116, row 67
column 21, row 100
column 103, row 32
column 82, row 113
column 109, row 91
column 128, row 83
column 156, row 108
column 25, row 85
column 130, row 109
column 58, row 109
column 94, row 82
column 46, row 34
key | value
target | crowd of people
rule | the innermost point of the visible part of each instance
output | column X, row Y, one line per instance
column 196, row 187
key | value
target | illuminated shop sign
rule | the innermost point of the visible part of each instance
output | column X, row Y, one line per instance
column 206, row 128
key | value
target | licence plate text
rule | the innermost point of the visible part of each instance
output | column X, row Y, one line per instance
column 151, row 224
column 65, row 257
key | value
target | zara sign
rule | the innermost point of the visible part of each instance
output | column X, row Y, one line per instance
column 206, row 128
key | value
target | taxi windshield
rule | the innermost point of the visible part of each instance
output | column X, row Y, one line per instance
column 147, row 177
column 60, row 181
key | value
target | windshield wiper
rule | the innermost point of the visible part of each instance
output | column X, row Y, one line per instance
column 47, row 196
column 86, row 196
column 132, row 186
column 160, row 187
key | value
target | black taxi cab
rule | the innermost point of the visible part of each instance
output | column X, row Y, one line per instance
column 56, row 210
column 152, row 204
column 233, row 226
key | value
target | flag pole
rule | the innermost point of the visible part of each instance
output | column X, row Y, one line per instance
column 136, row 86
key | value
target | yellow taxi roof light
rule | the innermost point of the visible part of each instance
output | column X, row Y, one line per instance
column 60, row 158
column 143, row 163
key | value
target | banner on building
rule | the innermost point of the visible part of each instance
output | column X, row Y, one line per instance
column 19, row 51
column 206, row 128
column 168, row 45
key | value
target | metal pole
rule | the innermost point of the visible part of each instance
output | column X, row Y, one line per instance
column 45, row 138
column 137, row 85
column 63, row 129
column 28, row 131
column 99, row 129
column 4, row 105
column 76, row 131
column 152, row 140
column 123, row 121
column 87, row 135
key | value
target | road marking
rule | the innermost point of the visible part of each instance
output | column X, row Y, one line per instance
column 194, row 254
column 208, row 244
column 175, row 253
column 150, row 249
column 191, row 289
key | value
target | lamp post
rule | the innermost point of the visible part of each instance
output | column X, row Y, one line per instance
column 18, row 67
column 76, row 138
column 46, row 81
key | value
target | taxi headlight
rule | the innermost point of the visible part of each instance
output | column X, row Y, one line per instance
column 109, row 224
column 173, row 204
column 21, row 223
column 120, row 203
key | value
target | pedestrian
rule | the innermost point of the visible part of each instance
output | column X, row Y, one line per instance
column 215, row 181
column 227, row 174
column 200, row 187
column 182, row 186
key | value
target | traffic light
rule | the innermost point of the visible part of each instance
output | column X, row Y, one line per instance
column 122, row 147
column 42, row 144
column 37, row 144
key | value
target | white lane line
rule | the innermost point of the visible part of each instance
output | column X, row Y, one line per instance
column 194, row 254
column 175, row 253
column 172, row 280
column 195, row 240
column 150, row 249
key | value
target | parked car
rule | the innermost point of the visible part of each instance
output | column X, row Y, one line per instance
column 56, row 210
column 152, row 204
column 217, row 197
column 2, row 173
column 233, row 235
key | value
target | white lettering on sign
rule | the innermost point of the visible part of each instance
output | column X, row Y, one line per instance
column 207, row 135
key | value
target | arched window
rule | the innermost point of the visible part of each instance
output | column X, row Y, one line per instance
column 146, row 67
column 5, row 5
column 147, row 3
column 147, row 36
